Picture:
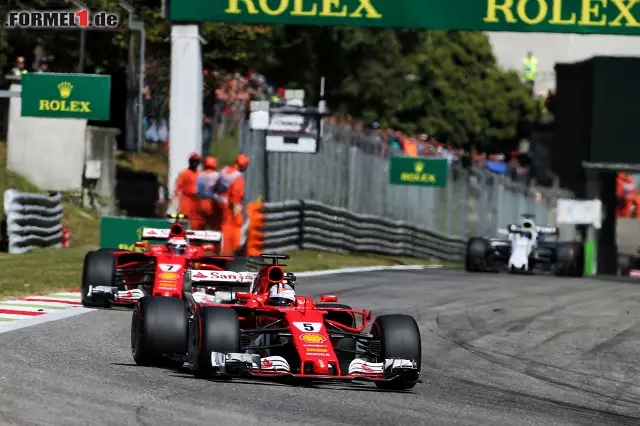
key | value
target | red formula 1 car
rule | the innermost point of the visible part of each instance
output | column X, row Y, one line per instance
column 112, row 276
column 250, row 336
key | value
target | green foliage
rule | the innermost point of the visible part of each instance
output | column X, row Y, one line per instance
column 438, row 82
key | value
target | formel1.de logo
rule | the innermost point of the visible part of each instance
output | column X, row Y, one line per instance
column 61, row 19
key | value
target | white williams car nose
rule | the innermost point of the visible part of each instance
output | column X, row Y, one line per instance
column 520, row 249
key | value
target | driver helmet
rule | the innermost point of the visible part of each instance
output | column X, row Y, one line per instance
column 281, row 295
column 177, row 246
column 527, row 225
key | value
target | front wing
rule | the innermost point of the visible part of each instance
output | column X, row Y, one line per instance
column 249, row 365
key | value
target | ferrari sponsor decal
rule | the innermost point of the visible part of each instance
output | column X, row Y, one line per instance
column 224, row 276
column 167, row 286
column 155, row 232
column 317, row 350
column 169, row 276
column 312, row 338
column 211, row 236
column 314, row 345
column 308, row 327
column 167, row 267
column 316, row 354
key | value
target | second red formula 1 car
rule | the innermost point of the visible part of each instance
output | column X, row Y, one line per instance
column 270, row 332
column 112, row 276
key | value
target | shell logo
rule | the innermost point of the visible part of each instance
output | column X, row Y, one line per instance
column 312, row 338
column 169, row 276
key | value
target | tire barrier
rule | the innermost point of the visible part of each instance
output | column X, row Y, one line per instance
column 32, row 220
column 290, row 225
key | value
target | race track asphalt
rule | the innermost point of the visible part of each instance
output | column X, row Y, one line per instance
column 497, row 350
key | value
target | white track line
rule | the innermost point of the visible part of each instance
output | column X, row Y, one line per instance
column 365, row 269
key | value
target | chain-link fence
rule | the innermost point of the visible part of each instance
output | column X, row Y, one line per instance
column 351, row 173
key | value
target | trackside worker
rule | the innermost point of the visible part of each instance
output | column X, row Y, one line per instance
column 530, row 64
column 186, row 192
column 230, row 189
column 208, row 209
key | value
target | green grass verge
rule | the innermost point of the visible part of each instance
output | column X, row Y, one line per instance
column 41, row 271
column 316, row 260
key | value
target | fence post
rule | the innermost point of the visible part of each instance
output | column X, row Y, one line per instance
column 301, row 226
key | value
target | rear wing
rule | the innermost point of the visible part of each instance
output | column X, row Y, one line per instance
column 226, row 278
column 155, row 234
column 541, row 230
column 163, row 234
column 204, row 236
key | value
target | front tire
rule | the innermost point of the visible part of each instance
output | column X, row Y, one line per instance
column 213, row 329
column 476, row 255
column 159, row 328
column 98, row 271
column 399, row 338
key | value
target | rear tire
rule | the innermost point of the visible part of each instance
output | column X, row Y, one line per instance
column 213, row 329
column 399, row 338
column 624, row 264
column 346, row 347
column 98, row 270
column 159, row 327
column 476, row 255
column 569, row 259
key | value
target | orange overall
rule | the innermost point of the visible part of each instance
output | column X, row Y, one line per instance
column 231, row 207
column 186, row 190
column 626, row 193
column 208, row 209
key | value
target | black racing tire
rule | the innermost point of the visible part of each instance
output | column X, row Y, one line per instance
column 569, row 259
column 346, row 348
column 475, row 255
column 99, row 269
column 159, row 329
column 399, row 338
column 624, row 264
column 213, row 329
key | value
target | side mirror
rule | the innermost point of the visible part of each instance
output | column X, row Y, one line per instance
column 142, row 244
column 244, row 295
column 503, row 232
column 208, row 247
column 327, row 298
column 369, row 315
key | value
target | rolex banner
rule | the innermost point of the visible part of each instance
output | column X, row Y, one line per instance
column 66, row 96
column 548, row 16
column 419, row 171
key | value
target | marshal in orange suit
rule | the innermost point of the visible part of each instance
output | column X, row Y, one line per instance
column 186, row 192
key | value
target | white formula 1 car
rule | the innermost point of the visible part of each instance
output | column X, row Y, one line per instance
column 525, row 248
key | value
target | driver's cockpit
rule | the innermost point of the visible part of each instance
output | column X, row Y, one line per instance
column 528, row 228
column 177, row 246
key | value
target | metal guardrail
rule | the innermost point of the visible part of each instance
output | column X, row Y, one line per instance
column 300, row 224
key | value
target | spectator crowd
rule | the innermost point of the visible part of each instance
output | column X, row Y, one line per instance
column 396, row 142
